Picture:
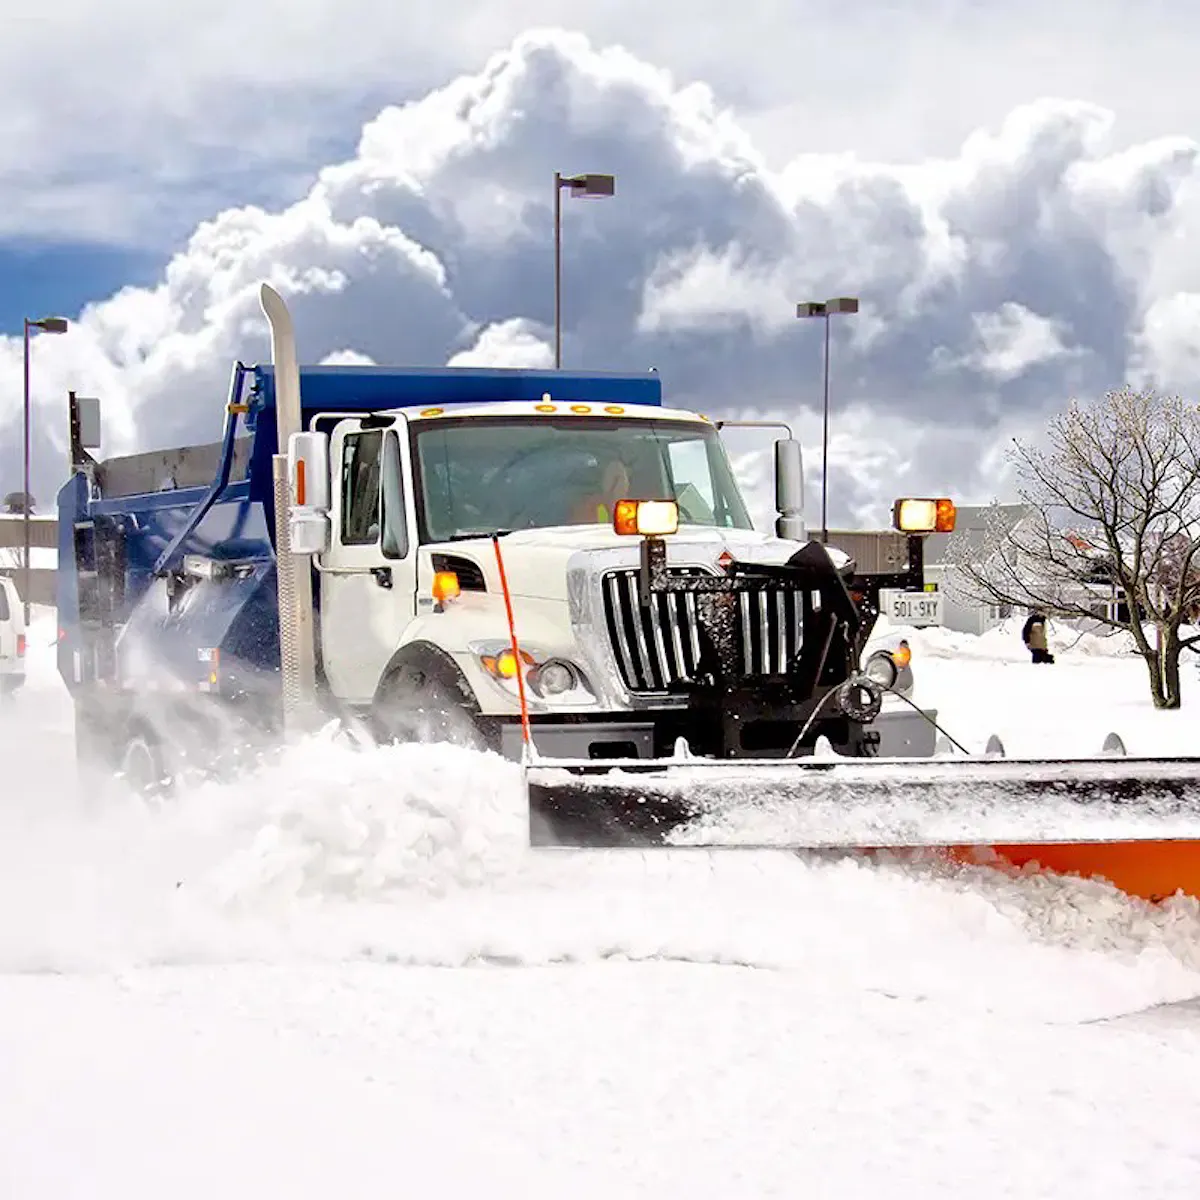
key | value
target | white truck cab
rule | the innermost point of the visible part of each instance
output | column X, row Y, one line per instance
column 411, row 516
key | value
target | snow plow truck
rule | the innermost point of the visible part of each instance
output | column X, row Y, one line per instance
column 559, row 568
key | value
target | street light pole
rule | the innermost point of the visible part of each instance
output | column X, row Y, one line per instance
column 825, row 309
column 47, row 325
column 583, row 186
column 558, row 186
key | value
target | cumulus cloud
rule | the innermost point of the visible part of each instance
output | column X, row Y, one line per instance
column 994, row 283
column 347, row 358
column 132, row 121
column 512, row 343
column 1010, row 341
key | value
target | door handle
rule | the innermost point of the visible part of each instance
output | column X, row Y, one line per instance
column 383, row 576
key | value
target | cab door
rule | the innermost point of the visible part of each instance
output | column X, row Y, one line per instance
column 368, row 575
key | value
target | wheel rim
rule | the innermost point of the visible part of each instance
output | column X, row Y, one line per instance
column 141, row 770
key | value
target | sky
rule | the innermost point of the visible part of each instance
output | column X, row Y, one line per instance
column 1010, row 192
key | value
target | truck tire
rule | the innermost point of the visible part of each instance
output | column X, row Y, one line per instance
column 418, row 704
column 142, row 767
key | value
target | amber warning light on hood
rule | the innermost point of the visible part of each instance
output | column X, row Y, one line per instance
column 650, row 518
column 924, row 516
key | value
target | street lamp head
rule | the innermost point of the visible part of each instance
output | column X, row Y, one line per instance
column 51, row 324
column 826, row 308
column 585, row 186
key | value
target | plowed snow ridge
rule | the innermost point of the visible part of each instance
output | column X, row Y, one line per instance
column 418, row 855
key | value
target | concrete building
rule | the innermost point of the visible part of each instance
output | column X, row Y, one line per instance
column 43, row 556
column 975, row 529
column 975, row 535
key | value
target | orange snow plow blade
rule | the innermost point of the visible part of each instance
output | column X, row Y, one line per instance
column 1134, row 822
column 1151, row 870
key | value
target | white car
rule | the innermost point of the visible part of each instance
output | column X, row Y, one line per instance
column 12, row 638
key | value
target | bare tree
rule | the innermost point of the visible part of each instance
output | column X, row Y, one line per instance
column 1115, row 498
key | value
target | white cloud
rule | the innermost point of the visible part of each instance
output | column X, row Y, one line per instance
column 347, row 358
column 130, row 121
column 994, row 282
column 1010, row 341
column 1168, row 343
column 703, row 289
column 513, row 343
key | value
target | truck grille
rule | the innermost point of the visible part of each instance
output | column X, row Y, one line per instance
column 659, row 646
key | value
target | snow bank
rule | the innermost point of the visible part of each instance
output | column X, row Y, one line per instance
column 268, row 1044
column 1003, row 643
column 419, row 855
column 1070, row 643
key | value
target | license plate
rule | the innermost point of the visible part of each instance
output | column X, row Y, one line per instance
column 913, row 608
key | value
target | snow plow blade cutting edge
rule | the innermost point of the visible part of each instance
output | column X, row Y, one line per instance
column 1133, row 821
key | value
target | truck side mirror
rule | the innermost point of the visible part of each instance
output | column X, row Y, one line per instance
column 789, row 491
column 308, row 487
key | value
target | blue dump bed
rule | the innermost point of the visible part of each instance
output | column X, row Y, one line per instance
column 131, row 618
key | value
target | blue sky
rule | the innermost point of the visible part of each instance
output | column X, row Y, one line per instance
column 390, row 170
column 43, row 279
column 42, row 273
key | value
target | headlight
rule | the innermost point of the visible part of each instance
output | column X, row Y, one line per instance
column 545, row 676
column 553, row 677
column 503, row 664
column 881, row 669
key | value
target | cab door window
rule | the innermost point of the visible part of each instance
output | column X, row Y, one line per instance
column 373, row 509
column 360, row 488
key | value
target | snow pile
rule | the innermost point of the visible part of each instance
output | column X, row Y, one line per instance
column 1002, row 643
column 419, row 855
column 765, row 1015
column 104, row 879
column 374, row 824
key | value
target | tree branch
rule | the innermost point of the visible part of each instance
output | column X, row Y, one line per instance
column 1113, row 499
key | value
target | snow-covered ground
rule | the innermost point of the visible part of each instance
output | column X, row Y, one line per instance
column 985, row 684
column 348, row 977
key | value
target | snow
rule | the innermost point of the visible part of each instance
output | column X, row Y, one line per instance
column 348, row 976
column 985, row 684
column 41, row 558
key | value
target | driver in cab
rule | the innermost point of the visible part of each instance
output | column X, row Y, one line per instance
column 596, row 507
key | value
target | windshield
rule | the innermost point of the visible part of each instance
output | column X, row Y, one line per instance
column 493, row 473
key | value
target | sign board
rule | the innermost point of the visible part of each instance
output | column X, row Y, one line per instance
column 911, row 608
column 88, row 410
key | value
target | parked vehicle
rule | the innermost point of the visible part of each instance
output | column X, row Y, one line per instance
column 12, row 638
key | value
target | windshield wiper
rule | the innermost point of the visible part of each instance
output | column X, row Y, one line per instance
column 480, row 533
